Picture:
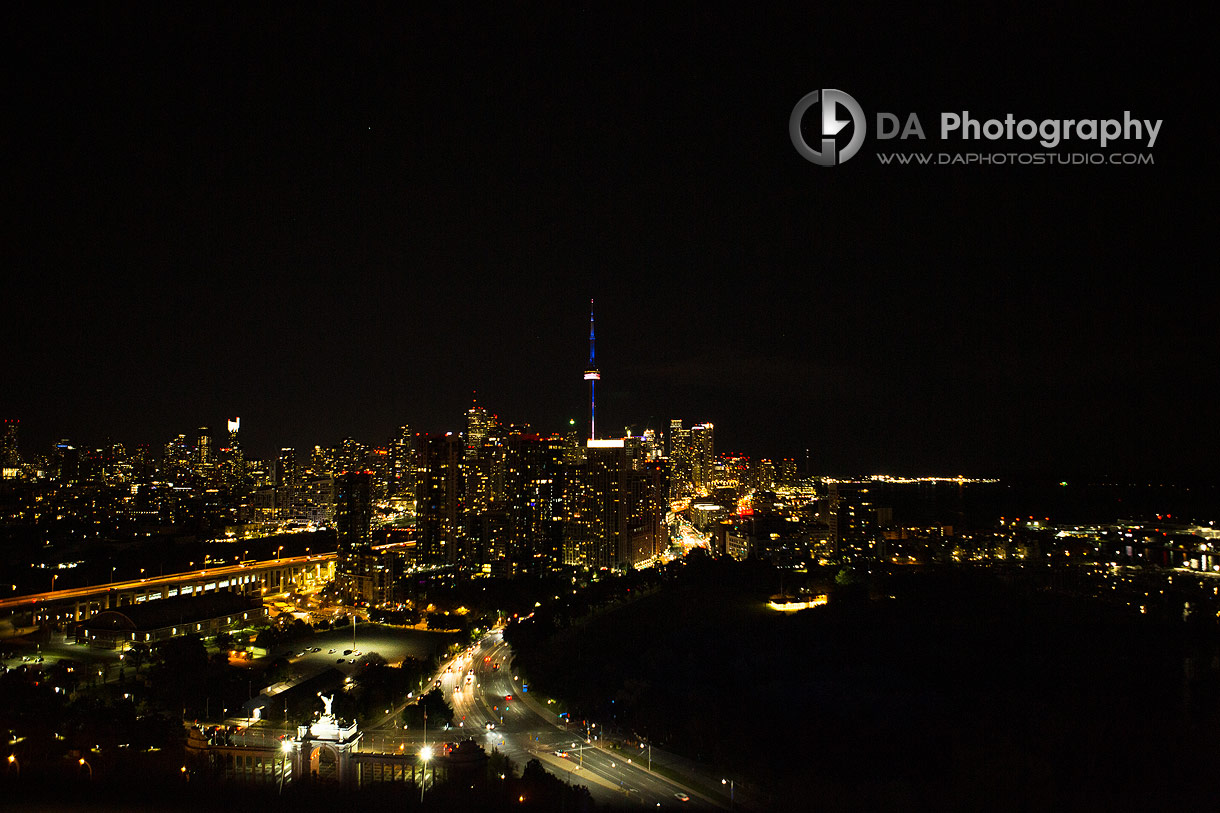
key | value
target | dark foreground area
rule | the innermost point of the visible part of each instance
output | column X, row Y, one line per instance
column 933, row 690
column 532, row 789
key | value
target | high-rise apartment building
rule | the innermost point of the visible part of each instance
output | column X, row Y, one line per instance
column 613, row 510
column 681, row 477
column 402, row 464
column 702, row 455
column 203, row 462
column 10, row 458
column 231, row 459
column 476, row 431
column 286, row 480
column 355, row 577
column 441, row 502
column 176, row 461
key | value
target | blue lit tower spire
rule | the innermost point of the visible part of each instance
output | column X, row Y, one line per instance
column 592, row 376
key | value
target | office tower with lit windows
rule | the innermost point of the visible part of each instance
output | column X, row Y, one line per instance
column 285, row 481
column 231, row 460
column 647, row 496
column 476, row 430
column 10, row 458
column 202, row 464
column 176, row 461
column 377, row 460
column 322, row 461
column 652, row 445
column 702, row 455
column 534, row 475
column 402, row 468
column 681, row 478
column 350, row 456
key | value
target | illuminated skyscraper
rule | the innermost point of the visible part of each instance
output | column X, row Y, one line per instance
column 402, row 464
column 232, row 461
column 613, row 511
column 476, row 430
column 176, row 462
column 702, row 454
column 285, row 481
column 442, row 501
column 354, row 535
column 10, row 460
column 681, row 478
column 350, row 456
column 203, row 457
column 65, row 461
column 322, row 461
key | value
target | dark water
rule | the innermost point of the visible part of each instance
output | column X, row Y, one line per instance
column 980, row 505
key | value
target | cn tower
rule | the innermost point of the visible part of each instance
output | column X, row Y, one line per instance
column 592, row 376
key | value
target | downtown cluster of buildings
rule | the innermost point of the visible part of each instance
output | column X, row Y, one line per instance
column 496, row 499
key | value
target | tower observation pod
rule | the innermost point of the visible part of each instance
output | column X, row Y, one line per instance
column 592, row 376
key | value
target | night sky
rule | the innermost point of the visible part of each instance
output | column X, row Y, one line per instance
column 332, row 225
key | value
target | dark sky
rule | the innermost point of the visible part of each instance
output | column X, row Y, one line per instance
column 332, row 225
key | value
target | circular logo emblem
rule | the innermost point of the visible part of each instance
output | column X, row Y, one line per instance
column 831, row 125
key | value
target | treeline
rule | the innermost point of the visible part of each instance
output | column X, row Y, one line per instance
column 942, row 690
column 122, row 719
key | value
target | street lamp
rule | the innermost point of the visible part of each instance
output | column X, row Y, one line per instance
column 425, row 754
column 86, row 766
column 14, row 765
column 732, row 786
column 285, row 750
column 580, row 752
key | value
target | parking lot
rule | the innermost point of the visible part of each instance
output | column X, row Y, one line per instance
column 392, row 643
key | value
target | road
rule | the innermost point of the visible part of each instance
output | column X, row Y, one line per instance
column 483, row 689
column 524, row 730
column 169, row 580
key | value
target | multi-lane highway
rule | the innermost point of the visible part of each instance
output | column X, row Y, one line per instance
column 490, row 702
column 169, row 580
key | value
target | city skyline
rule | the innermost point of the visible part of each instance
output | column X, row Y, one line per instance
column 550, row 406
column 332, row 224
